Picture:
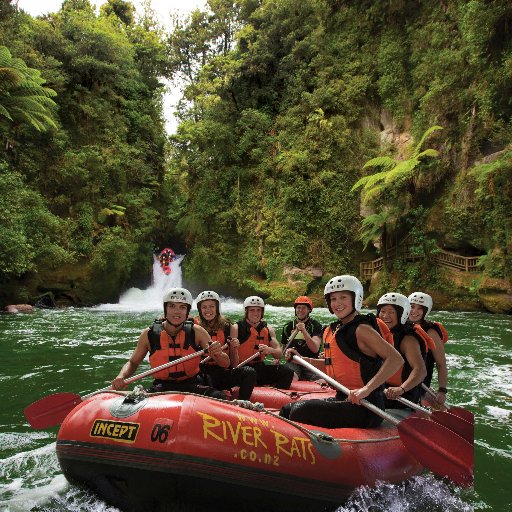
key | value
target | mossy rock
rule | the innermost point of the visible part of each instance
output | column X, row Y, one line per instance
column 496, row 295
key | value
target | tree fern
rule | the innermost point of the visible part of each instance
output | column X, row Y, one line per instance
column 431, row 130
column 391, row 181
column 24, row 99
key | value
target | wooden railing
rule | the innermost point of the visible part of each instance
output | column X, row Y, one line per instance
column 368, row 268
column 444, row 258
column 464, row 263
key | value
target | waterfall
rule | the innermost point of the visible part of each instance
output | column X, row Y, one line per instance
column 151, row 298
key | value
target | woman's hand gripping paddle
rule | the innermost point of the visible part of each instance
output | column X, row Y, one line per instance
column 458, row 411
column 248, row 360
column 52, row 409
column 437, row 448
column 455, row 423
column 256, row 354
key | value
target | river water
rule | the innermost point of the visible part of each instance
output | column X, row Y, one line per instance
column 82, row 350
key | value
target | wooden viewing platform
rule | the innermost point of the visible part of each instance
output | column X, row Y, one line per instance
column 443, row 258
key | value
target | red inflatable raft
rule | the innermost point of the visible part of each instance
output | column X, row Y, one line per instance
column 166, row 257
column 146, row 453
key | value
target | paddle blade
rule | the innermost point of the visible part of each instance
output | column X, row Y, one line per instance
column 463, row 428
column 439, row 449
column 462, row 413
column 51, row 410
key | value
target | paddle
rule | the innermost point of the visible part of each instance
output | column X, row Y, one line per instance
column 249, row 359
column 463, row 428
column 458, row 411
column 52, row 409
column 290, row 339
column 437, row 448
column 255, row 355
column 209, row 358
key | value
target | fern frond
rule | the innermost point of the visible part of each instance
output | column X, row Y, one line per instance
column 424, row 137
column 401, row 172
column 374, row 193
column 428, row 152
column 360, row 183
column 4, row 112
column 381, row 161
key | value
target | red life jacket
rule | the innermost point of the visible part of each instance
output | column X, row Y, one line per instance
column 221, row 336
column 438, row 327
column 429, row 342
column 250, row 338
column 165, row 348
column 384, row 331
column 344, row 360
column 399, row 333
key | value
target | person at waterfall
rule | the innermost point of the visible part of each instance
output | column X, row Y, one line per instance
column 412, row 343
column 258, row 340
column 220, row 329
column 421, row 306
column 171, row 339
column 306, row 336
column 356, row 355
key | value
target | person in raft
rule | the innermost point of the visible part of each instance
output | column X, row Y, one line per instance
column 393, row 309
column 172, row 338
column 257, row 337
column 356, row 355
column 421, row 306
column 220, row 329
column 307, row 338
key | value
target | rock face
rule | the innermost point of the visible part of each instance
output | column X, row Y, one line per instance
column 496, row 295
column 69, row 285
column 19, row 308
column 458, row 294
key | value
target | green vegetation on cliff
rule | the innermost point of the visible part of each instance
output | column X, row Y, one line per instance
column 284, row 104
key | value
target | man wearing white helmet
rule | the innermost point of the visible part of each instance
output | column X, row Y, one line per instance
column 356, row 355
column 171, row 339
column 221, row 329
column 393, row 308
column 421, row 306
column 257, row 337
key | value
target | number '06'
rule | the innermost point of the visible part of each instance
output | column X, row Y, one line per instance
column 160, row 433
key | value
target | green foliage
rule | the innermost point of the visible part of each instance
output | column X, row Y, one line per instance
column 112, row 253
column 395, row 174
column 29, row 233
column 283, row 104
column 390, row 192
column 494, row 189
column 103, row 161
column 23, row 96
column 125, row 11
column 393, row 76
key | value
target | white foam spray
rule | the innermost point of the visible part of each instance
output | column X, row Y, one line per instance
column 149, row 299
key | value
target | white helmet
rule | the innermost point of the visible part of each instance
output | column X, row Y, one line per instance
column 208, row 295
column 396, row 299
column 178, row 295
column 422, row 299
column 255, row 301
column 343, row 284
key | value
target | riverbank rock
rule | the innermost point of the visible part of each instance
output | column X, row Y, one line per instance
column 496, row 295
column 457, row 294
column 19, row 308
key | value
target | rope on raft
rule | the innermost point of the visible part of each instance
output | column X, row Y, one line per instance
column 139, row 393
